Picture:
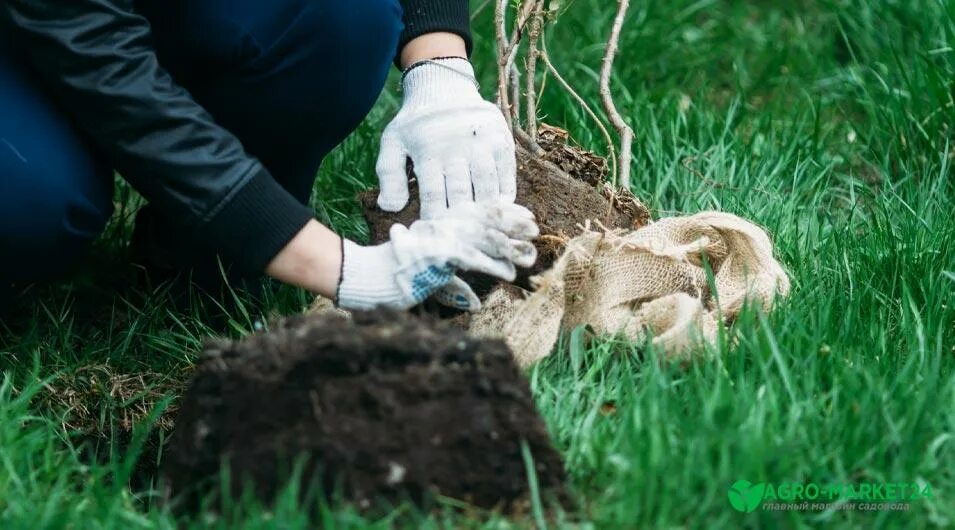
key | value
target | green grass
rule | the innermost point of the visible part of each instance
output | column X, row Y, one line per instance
column 828, row 122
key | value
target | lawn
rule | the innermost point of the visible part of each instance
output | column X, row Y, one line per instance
column 831, row 123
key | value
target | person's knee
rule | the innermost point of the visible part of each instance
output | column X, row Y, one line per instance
column 364, row 32
column 47, row 229
column 290, row 78
column 57, row 194
column 333, row 53
column 258, row 37
column 298, row 60
column 368, row 43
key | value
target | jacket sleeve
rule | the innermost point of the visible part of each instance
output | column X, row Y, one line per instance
column 429, row 16
column 97, row 59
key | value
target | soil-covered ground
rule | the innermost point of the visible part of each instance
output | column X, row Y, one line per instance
column 388, row 405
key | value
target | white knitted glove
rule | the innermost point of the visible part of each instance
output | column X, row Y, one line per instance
column 422, row 260
column 459, row 143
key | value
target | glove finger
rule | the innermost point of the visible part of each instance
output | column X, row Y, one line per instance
column 431, row 188
column 518, row 222
column 523, row 253
column 516, row 211
column 496, row 244
column 513, row 219
column 484, row 176
column 492, row 242
column 457, row 181
column 469, row 258
column 506, row 162
column 479, row 211
column 466, row 233
column 392, row 174
column 459, row 295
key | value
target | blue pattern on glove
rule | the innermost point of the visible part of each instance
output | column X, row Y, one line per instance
column 461, row 302
column 426, row 282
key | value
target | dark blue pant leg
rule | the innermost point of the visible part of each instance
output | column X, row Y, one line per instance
column 290, row 78
column 55, row 196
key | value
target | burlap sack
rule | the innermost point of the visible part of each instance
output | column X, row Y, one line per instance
column 650, row 280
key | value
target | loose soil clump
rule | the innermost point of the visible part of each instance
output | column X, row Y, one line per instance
column 386, row 405
column 564, row 188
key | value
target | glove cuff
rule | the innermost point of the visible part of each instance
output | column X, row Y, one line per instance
column 367, row 279
column 439, row 79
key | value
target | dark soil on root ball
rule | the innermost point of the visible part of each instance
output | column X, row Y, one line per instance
column 560, row 201
column 386, row 405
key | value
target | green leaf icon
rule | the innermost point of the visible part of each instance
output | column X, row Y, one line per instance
column 745, row 496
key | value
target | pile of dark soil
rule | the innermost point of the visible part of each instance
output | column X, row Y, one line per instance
column 564, row 188
column 386, row 405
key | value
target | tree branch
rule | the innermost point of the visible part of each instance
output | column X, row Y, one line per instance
column 506, row 54
column 623, row 130
column 500, row 22
column 611, row 150
column 537, row 20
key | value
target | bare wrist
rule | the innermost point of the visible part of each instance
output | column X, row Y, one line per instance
column 432, row 45
column 312, row 260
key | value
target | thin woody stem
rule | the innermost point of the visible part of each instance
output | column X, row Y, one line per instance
column 514, row 80
column 506, row 54
column 537, row 20
column 611, row 150
column 500, row 9
column 514, row 45
column 623, row 129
